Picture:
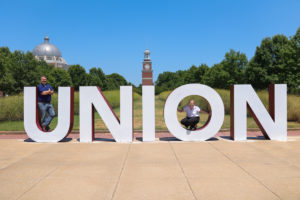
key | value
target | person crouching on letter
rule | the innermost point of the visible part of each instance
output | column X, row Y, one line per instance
column 192, row 115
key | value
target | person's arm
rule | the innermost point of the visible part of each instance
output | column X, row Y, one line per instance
column 203, row 111
column 180, row 110
column 51, row 90
column 42, row 92
column 45, row 92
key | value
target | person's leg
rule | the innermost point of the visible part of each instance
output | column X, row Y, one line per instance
column 51, row 114
column 194, row 122
column 190, row 122
column 185, row 122
column 43, row 110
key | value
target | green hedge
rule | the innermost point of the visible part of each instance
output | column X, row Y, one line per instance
column 11, row 107
column 293, row 105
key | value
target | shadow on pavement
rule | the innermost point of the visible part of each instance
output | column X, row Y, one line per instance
column 168, row 139
column 101, row 140
column 248, row 138
column 63, row 140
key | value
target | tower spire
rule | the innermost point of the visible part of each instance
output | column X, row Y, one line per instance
column 46, row 39
column 147, row 73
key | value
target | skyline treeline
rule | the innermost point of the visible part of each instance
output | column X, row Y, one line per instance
column 276, row 60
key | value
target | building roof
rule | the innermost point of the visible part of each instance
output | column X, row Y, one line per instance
column 46, row 49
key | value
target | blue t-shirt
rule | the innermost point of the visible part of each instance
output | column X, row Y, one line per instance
column 44, row 98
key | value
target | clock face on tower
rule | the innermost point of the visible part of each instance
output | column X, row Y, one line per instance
column 147, row 66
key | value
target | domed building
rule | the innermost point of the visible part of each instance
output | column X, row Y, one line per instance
column 50, row 54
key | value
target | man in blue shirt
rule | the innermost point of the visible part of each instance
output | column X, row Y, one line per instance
column 44, row 102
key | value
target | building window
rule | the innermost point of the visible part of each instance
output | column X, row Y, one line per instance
column 49, row 58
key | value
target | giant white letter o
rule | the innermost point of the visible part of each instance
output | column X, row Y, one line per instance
column 217, row 112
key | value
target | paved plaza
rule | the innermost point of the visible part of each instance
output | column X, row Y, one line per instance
column 166, row 169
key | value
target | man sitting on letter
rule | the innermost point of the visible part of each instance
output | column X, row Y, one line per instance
column 44, row 102
column 192, row 115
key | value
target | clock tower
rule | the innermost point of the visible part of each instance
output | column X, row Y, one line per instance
column 147, row 73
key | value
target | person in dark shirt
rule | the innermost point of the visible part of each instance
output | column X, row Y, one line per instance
column 44, row 103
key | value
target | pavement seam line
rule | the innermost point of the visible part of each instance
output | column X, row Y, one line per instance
column 121, row 172
column 42, row 178
column 271, row 155
column 22, row 158
column 38, row 181
column 179, row 163
column 245, row 171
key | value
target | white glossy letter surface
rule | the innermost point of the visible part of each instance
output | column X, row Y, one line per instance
column 65, row 115
column 217, row 112
column 121, row 130
column 148, row 113
column 273, row 126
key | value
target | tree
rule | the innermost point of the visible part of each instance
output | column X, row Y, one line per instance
column 78, row 76
column 114, row 81
column 199, row 73
column 6, row 79
column 235, row 64
column 59, row 77
column 230, row 71
column 96, row 77
column 169, row 80
column 271, row 62
column 217, row 77
column 23, row 70
column 293, row 72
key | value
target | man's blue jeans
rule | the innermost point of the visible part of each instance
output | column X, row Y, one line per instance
column 46, row 108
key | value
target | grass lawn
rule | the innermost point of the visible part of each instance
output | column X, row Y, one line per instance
column 159, row 119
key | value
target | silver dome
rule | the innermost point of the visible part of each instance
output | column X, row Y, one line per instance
column 46, row 49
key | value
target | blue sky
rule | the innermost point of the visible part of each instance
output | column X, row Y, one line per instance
column 114, row 34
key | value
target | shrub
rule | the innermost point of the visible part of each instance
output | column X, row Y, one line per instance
column 293, row 102
column 11, row 107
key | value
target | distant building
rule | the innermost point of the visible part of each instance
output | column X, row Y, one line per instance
column 147, row 73
column 50, row 54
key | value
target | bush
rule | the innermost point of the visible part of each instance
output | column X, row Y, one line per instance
column 11, row 107
column 293, row 102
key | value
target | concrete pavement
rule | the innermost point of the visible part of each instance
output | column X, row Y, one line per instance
column 216, row 169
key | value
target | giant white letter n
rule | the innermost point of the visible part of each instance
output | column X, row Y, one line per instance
column 91, row 97
column 273, row 124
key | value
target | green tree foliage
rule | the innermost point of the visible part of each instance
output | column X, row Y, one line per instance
column 235, row 64
column 229, row 71
column 23, row 70
column 96, row 77
column 271, row 62
column 59, row 77
column 18, row 69
column 169, row 80
column 78, row 76
column 6, row 79
column 293, row 76
column 276, row 60
column 217, row 77
column 114, row 81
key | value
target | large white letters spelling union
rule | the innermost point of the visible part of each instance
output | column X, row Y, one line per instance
column 273, row 124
